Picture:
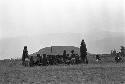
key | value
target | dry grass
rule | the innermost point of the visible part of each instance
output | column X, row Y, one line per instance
column 72, row 74
column 104, row 73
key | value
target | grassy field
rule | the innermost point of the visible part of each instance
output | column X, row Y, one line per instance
column 106, row 72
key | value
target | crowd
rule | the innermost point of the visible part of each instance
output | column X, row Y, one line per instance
column 65, row 58
column 48, row 59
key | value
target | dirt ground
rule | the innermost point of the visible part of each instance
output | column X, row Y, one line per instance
column 109, row 73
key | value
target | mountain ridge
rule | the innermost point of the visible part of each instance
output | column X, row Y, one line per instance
column 58, row 50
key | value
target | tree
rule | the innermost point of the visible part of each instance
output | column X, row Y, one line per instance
column 83, row 52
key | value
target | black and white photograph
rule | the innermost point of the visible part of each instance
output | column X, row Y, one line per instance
column 62, row 41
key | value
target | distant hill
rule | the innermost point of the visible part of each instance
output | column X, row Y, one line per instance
column 12, row 47
column 57, row 50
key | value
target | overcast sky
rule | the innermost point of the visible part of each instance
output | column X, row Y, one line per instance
column 88, row 17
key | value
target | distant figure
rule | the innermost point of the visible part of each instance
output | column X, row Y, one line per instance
column 73, row 59
column 27, row 62
column 118, row 58
column 44, row 60
column 83, row 52
column 114, row 52
column 31, row 61
column 122, row 51
column 68, row 59
column 64, row 56
column 25, row 55
column 51, row 49
column 39, row 60
column 77, row 58
column 98, row 58
column 72, row 54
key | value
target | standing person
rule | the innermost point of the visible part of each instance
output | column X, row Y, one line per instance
column 83, row 52
column 73, row 57
column 64, row 56
column 25, row 54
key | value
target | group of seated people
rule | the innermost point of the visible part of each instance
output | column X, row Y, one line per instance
column 44, row 59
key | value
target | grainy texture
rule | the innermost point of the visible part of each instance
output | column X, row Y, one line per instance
column 104, row 73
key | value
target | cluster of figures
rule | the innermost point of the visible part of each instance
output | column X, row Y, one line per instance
column 117, row 58
column 45, row 60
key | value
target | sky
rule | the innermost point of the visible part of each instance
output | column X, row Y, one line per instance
column 97, row 21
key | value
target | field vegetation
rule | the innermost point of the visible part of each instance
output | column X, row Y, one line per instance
column 104, row 72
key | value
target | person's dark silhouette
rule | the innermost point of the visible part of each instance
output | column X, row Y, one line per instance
column 83, row 52
column 38, row 62
column 118, row 58
column 72, row 58
column 64, row 56
column 98, row 58
column 122, row 51
column 44, row 60
column 25, row 54
column 31, row 61
column 114, row 52
column 77, row 58
column 72, row 54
